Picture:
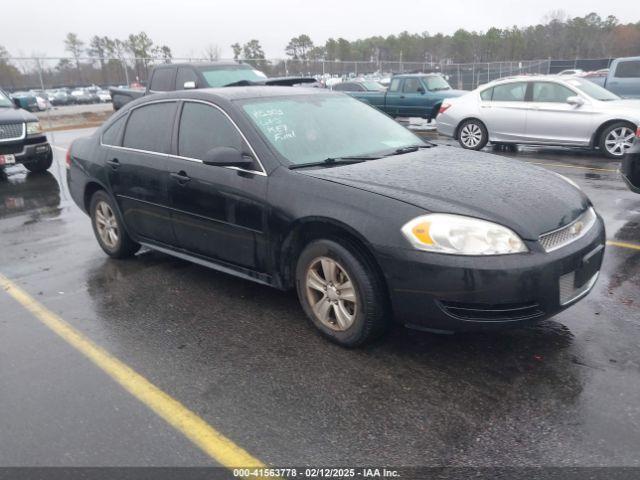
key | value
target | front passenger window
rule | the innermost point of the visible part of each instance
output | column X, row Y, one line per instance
column 550, row 92
column 203, row 127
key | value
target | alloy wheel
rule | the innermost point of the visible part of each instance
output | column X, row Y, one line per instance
column 331, row 294
column 619, row 140
column 471, row 135
column 107, row 225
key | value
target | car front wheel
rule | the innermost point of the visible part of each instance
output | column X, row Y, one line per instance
column 108, row 228
column 616, row 139
column 341, row 292
column 473, row 135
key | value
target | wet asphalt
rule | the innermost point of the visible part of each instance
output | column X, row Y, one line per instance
column 244, row 358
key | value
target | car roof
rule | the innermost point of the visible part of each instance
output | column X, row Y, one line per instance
column 529, row 78
column 403, row 75
column 221, row 63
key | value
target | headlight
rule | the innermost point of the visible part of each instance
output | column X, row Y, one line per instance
column 33, row 128
column 458, row 235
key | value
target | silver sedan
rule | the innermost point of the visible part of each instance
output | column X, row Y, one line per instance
column 542, row 110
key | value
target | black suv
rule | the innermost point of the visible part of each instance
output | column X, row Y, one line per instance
column 21, row 138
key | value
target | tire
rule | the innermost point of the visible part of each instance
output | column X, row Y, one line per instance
column 472, row 135
column 41, row 165
column 355, row 318
column 616, row 139
column 105, row 219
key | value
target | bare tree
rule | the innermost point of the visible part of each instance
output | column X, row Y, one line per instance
column 212, row 52
column 75, row 47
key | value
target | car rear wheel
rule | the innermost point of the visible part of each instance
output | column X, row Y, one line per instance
column 473, row 135
column 341, row 292
column 108, row 227
column 616, row 139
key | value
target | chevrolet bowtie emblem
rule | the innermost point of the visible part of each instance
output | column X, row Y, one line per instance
column 576, row 228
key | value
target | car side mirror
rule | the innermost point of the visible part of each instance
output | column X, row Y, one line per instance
column 575, row 100
column 421, row 90
column 190, row 85
column 227, row 157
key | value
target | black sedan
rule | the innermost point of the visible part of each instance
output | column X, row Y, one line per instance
column 630, row 168
column 313, row 190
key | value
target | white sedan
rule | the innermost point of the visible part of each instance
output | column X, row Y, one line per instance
column 542, row 110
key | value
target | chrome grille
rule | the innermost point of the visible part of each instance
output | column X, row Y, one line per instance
column 11, row 131
column 569, row 233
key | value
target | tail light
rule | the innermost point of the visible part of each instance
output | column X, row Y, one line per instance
column 444, row 107
column 68, row 158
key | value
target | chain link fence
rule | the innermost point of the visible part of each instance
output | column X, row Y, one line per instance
column 17, row 74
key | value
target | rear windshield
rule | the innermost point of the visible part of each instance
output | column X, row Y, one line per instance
column 227, row 74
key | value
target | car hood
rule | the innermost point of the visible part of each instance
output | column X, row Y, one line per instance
column 626, row 105
column 528, row 199
column 15, row 115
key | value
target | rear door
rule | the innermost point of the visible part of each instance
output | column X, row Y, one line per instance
column 625, row 80
column 504, row 111
column 137, row 171
column 552, row 120
column 218, row 212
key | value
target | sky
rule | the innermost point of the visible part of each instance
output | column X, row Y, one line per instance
column 188, row 26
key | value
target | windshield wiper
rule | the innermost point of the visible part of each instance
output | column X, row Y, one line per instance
column 334, row 161
column 409, row 149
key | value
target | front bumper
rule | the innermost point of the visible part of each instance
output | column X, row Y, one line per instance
column 448, row 293
column 26, row 153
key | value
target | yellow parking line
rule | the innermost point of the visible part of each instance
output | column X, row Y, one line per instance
column 566, row 165
column 212, row 442
column 632, row 246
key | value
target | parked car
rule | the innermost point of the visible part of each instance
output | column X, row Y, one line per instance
column 26, row 101
column 104, row 96
column 542, row 110
column 622, row 78
column 411, row 95
column 21, row 137
column 82, row 96
column 572, row 72
column 284, row 187
column 59, row 97
column 186, row 76
column 630, row 168
column 359, row 86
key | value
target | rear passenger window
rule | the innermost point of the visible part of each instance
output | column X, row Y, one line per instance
column 111, row 135
column 629, row 69
column 509, row 92
column 395, row 85
column 185, row 74
column 162, row 80
column 202, row 128
column 149, row 127
column 486, row 94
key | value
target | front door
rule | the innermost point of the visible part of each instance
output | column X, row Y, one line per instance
column 551, row 120
column 394, row 97
column 137, row 171
column 218, row 212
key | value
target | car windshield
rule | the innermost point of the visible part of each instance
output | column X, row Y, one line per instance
column 593, row 90
column 312, row 128
column 5, row 102
column 225, row 75
column 436, row 83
